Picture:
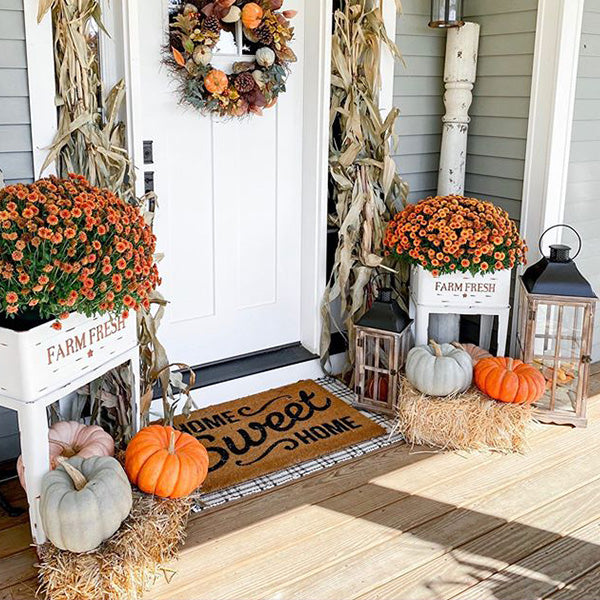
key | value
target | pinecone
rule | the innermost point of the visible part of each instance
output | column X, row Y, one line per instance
column 263, row 35
column 244, row 83
column 211, row 24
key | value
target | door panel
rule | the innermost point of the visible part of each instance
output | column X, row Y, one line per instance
column 229, row 213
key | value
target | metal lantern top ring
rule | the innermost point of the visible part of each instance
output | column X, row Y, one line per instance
column 566, row 227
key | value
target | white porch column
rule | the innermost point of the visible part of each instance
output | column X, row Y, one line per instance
column 462, row 44
column 459, row 75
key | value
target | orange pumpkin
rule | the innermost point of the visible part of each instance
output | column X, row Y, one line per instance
column 166, row 462
column 509, row 380
column 216, row 82
column 381, row 395
column 252, row 15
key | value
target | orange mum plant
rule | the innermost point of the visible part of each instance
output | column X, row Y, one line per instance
column 453, row 233
column 68, row 246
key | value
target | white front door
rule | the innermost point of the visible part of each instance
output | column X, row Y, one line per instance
column 229, row 212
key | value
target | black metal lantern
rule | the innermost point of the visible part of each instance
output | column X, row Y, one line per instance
column 556, row 326
column 382, row 342
column 446, row 13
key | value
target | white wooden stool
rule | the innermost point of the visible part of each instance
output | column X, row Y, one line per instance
column 40, row 366
column 462, row 294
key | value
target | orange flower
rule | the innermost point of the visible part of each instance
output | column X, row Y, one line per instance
column 465, row 263
column 11, row 297
column 484, row 266
column 56, row 325
column 17, row 255
column 23, row 278
column 12, row 310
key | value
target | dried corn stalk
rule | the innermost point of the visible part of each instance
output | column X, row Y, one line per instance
column 365, row 186
column 91, row 141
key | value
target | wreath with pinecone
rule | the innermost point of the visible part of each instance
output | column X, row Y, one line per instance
column 256, row 81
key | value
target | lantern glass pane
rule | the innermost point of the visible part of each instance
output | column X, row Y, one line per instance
column 557, row 353
column 378, row 352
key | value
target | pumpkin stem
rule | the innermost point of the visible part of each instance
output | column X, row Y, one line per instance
column 79, row 480
column 509, row 365
column 172, row 442
column 436, row 348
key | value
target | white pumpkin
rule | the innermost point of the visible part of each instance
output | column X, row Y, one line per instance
column 84, row 501
column 233, row 16
column 439, row 369
column 265, row 57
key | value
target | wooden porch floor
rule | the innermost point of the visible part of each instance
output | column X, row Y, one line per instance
column 398, row 524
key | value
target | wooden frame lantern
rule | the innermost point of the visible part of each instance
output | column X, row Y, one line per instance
column 556, row 324
column 383, row 338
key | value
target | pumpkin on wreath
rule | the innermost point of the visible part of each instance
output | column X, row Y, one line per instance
column 166, row 462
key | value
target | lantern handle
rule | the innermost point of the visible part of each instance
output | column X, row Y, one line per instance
column 566, row 227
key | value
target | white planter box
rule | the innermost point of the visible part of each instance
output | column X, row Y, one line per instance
column 461, row 289
column 37, row 362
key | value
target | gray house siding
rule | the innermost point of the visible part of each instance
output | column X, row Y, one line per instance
column 499, row 114
column 418, row 93
column 16, row 160
column 500, row 110
column 583, row 197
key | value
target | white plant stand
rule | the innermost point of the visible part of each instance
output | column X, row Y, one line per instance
column 40, row 366
column 461, row 294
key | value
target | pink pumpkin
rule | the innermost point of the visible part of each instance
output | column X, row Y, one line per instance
column 70, row 438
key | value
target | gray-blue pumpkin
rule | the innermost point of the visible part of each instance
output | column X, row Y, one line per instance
column 439, row 369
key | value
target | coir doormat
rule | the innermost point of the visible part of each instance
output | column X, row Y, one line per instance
column 259, row 434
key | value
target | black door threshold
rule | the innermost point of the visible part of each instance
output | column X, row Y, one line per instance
column 249, row 364
column 256, row 362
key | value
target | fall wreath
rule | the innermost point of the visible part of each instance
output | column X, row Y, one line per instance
column 255, row 82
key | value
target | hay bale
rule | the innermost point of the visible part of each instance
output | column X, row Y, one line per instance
column 469, row 421
column 128, row 563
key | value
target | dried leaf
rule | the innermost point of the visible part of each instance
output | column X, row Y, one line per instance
column 178, row 57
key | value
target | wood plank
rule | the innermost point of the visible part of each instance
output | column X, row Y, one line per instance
column 586, row 587
column 548, row 570
column 15, row 539
column 258, row 576
column 20, row 591
column 356, row 575
column 470, row 563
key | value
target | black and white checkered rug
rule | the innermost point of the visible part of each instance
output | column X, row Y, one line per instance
column 293, row 472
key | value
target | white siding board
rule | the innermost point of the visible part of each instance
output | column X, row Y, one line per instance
column 15, row 138
column 500, row 107
column 500, row 66
column 483, row 185
column 422, row 106
column 417, row 144
column 521, row 21
column 11, row 5
column 417, row 85
column 17, row 164
column 13, row 83
column 14, row 111
column 419, row 45
column 582, row 198
column 12, row 54
column 591, row 22
column 498, row 87
column 586, row 109
column 509, row 44
column 499, row 127
column 12, row 26
column 590, row 44
column 490, row 166
column 496, row 146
